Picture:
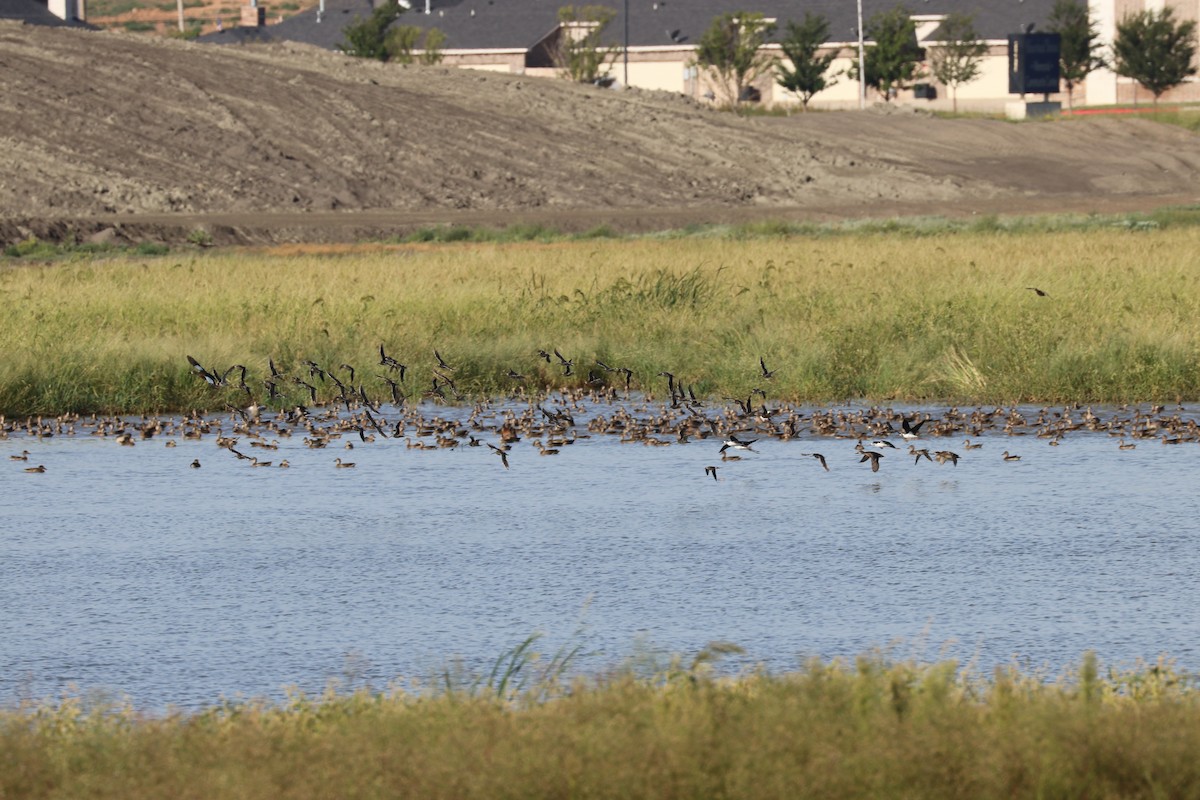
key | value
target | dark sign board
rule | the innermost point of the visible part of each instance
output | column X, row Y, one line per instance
column 1033, row 63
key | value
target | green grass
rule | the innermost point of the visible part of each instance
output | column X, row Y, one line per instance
column 111, row 8
column 876, row 728
column 926, row 310
column 1188, row 118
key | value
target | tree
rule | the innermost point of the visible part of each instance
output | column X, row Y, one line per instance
column 731, row 52
column 1154, row 50
column 1081, row 48
column 893, row 58
column 806, row 75
column 578, row 53
column 402, row 40
column 366, row 38
column 958, row 59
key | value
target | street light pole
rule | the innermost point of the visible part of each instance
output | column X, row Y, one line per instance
column 862, row 75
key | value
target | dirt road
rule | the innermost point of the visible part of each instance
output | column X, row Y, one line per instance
column 153, row 138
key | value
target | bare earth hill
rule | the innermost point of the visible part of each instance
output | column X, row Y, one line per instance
column 154, row 137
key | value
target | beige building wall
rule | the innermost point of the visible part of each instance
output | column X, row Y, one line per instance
column 669, row 69
column 1105, row 87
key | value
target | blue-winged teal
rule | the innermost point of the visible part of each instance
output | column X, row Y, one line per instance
column 943, row 456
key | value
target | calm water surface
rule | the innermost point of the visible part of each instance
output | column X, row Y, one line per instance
column 123, row 570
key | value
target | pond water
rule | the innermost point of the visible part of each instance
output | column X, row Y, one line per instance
column 124, row 570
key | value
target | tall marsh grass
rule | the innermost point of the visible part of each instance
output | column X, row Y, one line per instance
column 872, row 728
column 906, row 315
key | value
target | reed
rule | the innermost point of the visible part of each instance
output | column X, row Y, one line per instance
column 872, row 728
column 913, row 314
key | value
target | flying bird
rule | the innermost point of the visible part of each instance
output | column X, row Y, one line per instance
column 819, row 458
column 738, row 444
column 873, row 458
column 500, row 452
column 209, row 378
column 908, row 430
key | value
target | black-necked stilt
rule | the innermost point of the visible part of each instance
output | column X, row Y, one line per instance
column 909, row 431
column 737, row 444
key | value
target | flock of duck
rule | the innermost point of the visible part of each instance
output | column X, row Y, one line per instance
column 342, row 415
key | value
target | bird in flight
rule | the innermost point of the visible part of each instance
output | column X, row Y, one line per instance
column 1037, row 291
column 500, row 452
column 873, row 458
column 819, row 458
column 908, row 430
column 737, row 444
column 711, row 471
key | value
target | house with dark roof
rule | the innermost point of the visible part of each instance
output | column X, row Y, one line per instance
column 655, row 40
column 54, row 13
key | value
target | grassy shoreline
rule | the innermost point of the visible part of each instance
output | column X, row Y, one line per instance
column 883, row 311
column 875, row 728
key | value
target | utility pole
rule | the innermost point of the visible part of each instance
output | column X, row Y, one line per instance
column 862, row 74
column 626, row 18
column 179, row 3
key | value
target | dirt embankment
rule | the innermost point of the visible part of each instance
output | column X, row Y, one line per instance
column 157, row 137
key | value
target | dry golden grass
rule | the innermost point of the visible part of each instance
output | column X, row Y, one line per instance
column 876, row 316
column 830, row 730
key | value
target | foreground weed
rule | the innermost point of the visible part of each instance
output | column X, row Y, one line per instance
column 871, row 728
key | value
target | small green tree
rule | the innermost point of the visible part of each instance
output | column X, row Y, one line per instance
column 403, row 40
column 731, row 52
column 1080, row 42
column 958, row 59
column 578, row 53
column 1154, row 50
column 806, row 75
column 892, row 60
column 367, row 38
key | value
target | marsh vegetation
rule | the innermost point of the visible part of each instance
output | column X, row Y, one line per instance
column 871, row 728
column 890, row 312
